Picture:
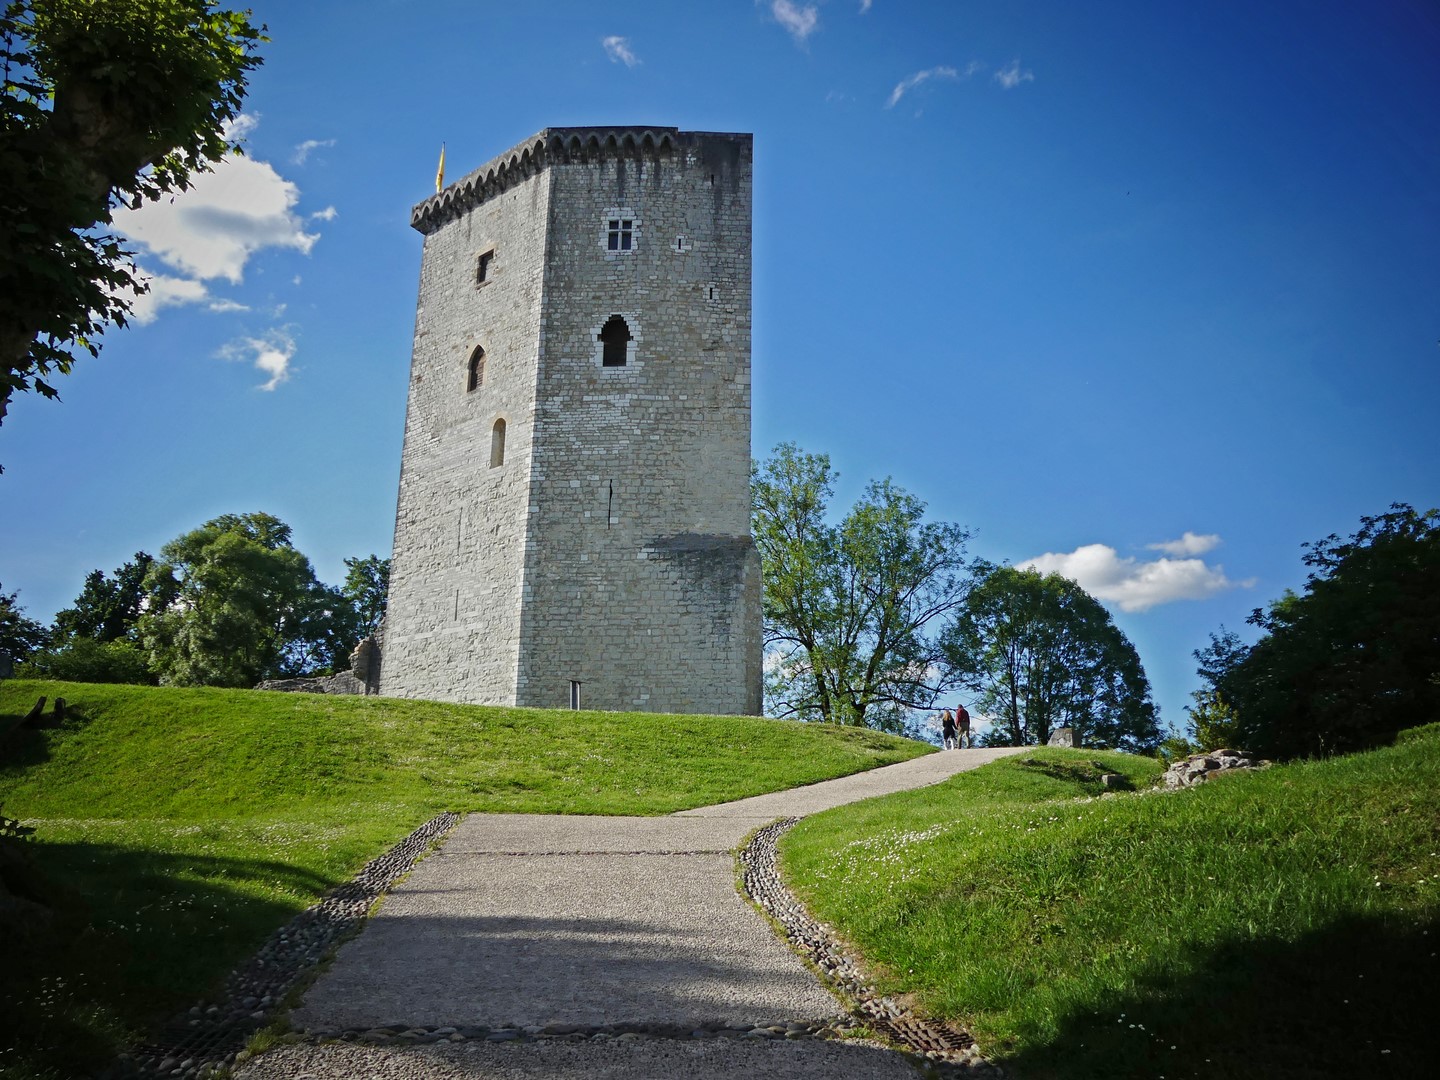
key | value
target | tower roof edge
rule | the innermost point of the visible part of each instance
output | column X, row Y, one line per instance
column 532, row 155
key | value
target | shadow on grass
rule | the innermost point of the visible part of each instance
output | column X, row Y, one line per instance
column 1359, row 999
column 136, row 936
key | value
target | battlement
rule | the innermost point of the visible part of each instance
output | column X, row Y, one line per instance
column 563, row 145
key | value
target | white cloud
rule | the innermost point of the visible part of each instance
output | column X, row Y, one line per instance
column 618, row 49
column 1189, row 544
column 271, row 354
column 302, row 152
column 1011, row 76
column 800, row 21
column 227, row 215
column 864, row 6
column 223, row 304
column 164, row 292
column 906, row 85
column 239, row 128
column 1132, row 584
column 328, row 214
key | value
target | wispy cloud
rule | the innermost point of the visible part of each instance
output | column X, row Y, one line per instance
column 619, row 51
column 864, row 6
column 223, row 304
column 800, row 20
column 906, row 85
column 1010, row 76
column 271, row 355
column 328, row 214
column 1133, row 584
column 302, row 152
column 1189, row 544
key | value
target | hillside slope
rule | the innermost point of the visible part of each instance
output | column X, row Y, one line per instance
column 175, row 829
column 1276, row 924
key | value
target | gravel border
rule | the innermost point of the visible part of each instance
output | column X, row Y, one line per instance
column 210, row 1035
column 952, row 1049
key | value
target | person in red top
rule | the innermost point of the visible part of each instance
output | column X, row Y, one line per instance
column 962, row 727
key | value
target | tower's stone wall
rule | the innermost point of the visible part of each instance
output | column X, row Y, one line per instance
column 612, row 547
column 452, row 629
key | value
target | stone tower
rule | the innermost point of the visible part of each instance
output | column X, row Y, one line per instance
column 573, row 525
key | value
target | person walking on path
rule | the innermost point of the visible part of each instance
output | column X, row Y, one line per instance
column 947, row 728
column 962, row 727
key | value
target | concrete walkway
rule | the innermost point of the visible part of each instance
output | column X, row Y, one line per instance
column 523, row 920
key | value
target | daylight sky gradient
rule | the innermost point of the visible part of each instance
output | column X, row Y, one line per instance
column 1144, row 293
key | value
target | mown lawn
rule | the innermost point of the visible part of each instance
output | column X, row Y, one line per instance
column 1280, row 924
column 175, row 829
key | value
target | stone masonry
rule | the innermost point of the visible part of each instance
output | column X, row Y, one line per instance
column 574, row 491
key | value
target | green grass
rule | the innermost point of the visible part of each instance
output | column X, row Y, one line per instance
column 175, row 829
column 1281, row 924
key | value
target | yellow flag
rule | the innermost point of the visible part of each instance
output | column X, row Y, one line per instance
column 440, row 171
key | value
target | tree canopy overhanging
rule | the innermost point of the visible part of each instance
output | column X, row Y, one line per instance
column 105, row 103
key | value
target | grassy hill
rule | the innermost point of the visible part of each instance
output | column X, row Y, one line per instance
column 1274, row 925
column 177, row 828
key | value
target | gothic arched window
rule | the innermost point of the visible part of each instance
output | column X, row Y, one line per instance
column 476, row 371
column 497, row 444
column 615, row 337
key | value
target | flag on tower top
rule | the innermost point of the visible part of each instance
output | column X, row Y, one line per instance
column 440, row 171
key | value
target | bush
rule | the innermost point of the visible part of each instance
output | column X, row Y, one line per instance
column 87, row 660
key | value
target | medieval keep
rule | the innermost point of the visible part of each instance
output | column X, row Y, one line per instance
column 573, row 524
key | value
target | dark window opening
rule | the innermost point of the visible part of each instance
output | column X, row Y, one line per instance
column 497, row 444
column 615, row 336
column 482, row 268
column 574, row 694
column 620, row 234
column 476, row 371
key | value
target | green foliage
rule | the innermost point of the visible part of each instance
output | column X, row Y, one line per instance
column 19, row 634
column 1348, row 662
column 85, row 659
column 367, row 587
column 107, row 609
column 1040, row 653
column 1134, row 935
column 233, row 602
column 849, row 607
column 104, row 103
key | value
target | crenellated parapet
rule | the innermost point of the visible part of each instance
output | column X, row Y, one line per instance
column 590, row 145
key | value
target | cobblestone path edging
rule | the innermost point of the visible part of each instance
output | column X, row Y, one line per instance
column 210, row 1035
column 951, row 1049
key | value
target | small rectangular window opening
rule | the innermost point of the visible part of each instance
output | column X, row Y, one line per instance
column 574, row 694
column 619, row 234
column 482, row 268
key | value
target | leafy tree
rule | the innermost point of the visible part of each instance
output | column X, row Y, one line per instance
column 848, row 607
column 19, row 635
column 367, row 587
column 1040, row 653
column 1352, row 659
column 104, row 103
column 107, row 609
column 233, row 602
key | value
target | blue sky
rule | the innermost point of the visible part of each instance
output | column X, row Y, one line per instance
column 1147, row 291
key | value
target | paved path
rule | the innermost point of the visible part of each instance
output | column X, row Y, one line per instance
column 527, row 920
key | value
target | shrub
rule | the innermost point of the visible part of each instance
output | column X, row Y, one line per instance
column 87, row 660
